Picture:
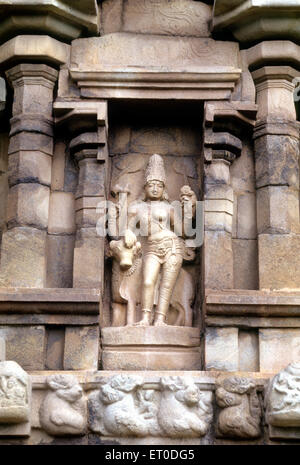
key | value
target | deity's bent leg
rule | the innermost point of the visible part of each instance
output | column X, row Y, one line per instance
column 150, row 275
column 170, row 272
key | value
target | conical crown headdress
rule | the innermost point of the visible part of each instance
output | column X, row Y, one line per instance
column 155, row 170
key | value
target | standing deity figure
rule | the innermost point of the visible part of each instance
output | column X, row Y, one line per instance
column 162, row 225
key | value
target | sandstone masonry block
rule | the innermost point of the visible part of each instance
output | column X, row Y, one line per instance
column 81, row 350
column 61, row 213
column 29, row 167
column 60, row 250
column 175, row 17
column 221, row 349
column 23, row 258
column 218, row 260
column 277, row 161
column 278, row 261
column 245, row 263
column 278, row 348
column 28, row 205
column 25, row 345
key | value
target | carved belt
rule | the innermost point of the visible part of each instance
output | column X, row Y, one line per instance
column 162, row 247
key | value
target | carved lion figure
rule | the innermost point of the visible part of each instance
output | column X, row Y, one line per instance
column 63, row 410
column 241, row 412
column 184, row 410
column 122, row 408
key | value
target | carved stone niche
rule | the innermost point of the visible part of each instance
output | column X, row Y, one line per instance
column 282, row 402
column 15, row 400
column 64, row 410
column 172, row 407
column 240, row 410
column 154, row 264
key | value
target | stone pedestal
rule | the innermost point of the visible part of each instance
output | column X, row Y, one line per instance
column 151, row 348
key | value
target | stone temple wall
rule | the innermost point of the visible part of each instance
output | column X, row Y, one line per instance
column 105, row 99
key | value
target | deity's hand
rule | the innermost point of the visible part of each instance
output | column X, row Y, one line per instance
column 188, row 198
column 129, row 239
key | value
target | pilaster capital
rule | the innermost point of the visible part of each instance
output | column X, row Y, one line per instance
column 32, row 74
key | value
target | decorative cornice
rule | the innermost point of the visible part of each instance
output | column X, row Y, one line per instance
column 255, row 20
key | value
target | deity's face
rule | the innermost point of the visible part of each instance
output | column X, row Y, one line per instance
column 154, row 190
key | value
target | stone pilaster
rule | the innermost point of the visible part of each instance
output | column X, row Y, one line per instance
column 222, row 145
column 218, row 199
column 23, row 254
column 87, row 120
column 89, row 246
column 276, row 141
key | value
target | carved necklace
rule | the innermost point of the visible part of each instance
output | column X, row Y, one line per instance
column 133, row 268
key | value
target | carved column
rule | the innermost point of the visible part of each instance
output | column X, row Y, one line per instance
column 222, row 145
column 276, row 139
column 23, row 255
column 89, row 247
column 90, row 149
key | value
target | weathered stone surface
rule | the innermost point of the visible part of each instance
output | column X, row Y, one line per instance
column 242, row 171
column 55, row 337
column 217, row 172
column 253, row 21
column 175, row 17
column 25, row 345
column 248, row 350
column 60, row 250
column 277, row 210
column 134, row 348
column 32, row 141
column 81, row 350
column 3, row 196
column 42, row 47
column 33, row 80
column 2, row 349
column 165, row 140
column 63, row 411
column 245, row 264
column 91, row 178
column 15, row 401
column 241, row 414
column 278, row 348
column 58, row 167
column 177, row 409
column 276, row 161
column 88, row 261
column 267, row 51
column 246, row 216
column 275, row 88
column 111, row 16
column 124, row 50
column 221, row 349
column 218, row 215
column 61, row 213
column 278, row 268
column 218, row 260
column 64, row 20
column 28, row 205
column 255, row 303
column 283, row 402
column 29, row 167
column 23, row 259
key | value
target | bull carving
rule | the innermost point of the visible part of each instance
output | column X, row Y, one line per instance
column 127, row 284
